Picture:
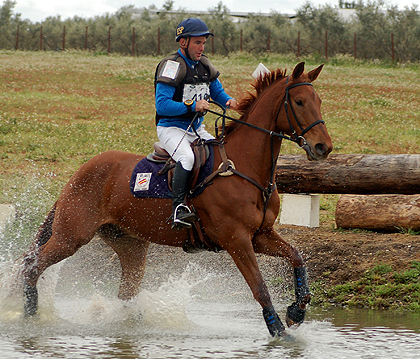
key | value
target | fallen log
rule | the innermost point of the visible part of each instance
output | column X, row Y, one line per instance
column 349, row 174
column 378, row 212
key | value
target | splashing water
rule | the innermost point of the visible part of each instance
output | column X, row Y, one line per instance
column 197, row 308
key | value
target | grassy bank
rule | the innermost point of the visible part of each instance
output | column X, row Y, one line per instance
column 58, row 109
column 381, row 287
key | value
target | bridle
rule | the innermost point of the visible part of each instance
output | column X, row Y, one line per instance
column 227, row 167
column 297, row 138
column 293, row 138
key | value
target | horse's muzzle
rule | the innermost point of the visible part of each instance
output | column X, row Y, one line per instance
column 319, row 152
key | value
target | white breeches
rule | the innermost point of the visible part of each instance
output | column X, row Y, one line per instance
column 171, row 137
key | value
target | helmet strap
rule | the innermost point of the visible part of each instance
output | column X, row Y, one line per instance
column 185, row 48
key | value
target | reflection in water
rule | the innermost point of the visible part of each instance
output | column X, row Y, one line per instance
column 358, row 319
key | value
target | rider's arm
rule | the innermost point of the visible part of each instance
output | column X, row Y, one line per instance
column 165, row 106
column 217, row 93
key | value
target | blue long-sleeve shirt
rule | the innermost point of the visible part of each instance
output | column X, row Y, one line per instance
column 165, row 106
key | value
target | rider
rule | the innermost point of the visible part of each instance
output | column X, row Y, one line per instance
column 184, row 81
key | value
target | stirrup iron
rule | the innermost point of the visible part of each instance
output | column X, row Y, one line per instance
column 183, row 217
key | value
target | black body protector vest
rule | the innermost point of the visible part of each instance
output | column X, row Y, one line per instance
column 190, row 83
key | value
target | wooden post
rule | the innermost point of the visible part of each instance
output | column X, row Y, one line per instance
column 355, row 47
column 17, row 38
column 298, row 45
column 242, row 39
column 64, row 38
column 109, row 40
column 212, row 42
column 158, row 40
column 326, row 45
column 134, row 42
column 86, row 37
column 392, row 46
column 40, row 39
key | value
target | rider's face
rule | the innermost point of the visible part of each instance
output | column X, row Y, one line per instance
column 196, row 47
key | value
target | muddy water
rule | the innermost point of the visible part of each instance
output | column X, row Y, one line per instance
column 190, row 307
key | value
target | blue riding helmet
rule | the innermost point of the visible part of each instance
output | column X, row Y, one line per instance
column 191, row 27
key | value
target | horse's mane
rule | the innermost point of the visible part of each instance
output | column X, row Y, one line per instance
column 260, row 84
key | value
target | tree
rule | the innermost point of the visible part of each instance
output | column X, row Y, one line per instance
column 315, row 21
column 405, row 26
column 6, row 12
column 373, row 23
column 373, row 28
column 221, row 23
column 6, row 21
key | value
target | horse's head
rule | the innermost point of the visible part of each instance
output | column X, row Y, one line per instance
column 302, row 110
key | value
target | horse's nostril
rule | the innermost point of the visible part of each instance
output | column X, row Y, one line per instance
column 320, row 149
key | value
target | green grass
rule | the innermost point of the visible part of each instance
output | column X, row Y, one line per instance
column 380, row 288
column 58, row 109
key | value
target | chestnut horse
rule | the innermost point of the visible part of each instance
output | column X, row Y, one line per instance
column 237, row 212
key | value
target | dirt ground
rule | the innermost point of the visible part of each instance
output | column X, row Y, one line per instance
column 339, row 256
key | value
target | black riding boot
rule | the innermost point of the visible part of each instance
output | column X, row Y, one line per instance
column 182, row 215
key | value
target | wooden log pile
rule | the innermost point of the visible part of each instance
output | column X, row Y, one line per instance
column 349, row 174
column 380, row 192
column 378, row 212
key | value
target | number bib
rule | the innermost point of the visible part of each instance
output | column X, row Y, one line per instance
column 196, row 92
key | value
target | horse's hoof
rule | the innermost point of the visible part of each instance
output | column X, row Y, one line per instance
column 31, row 305
column 295, row 314
column 274, row 324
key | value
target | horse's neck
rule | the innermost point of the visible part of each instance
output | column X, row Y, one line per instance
column 252, row 148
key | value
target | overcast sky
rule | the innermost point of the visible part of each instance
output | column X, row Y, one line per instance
column 38, row 10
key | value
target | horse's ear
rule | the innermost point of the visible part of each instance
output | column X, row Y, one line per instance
column 298, row 70
column 314, row 73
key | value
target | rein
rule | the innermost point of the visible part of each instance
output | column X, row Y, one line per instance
column 227, row 167
column 296, row 138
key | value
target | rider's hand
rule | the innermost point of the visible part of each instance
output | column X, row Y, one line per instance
column 232, row 104
column 201, row 106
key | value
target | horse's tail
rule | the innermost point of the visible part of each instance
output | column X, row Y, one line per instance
column 45, row 231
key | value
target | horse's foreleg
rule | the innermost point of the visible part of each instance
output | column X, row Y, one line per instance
column 132, row 253
column 270, row 243
column 244, row 256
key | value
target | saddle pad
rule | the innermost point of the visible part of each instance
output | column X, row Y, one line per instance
column 145, row 181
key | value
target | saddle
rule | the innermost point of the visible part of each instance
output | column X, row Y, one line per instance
column 201, row 155
column 196, row 240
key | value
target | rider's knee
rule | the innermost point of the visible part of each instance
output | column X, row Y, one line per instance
column 187, row 162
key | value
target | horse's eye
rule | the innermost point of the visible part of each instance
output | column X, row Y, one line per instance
column 299, row 102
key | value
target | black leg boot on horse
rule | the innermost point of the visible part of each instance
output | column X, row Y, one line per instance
column 296, row 312
column 182, row 215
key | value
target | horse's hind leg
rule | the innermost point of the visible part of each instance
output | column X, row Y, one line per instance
column 270, row 243
column 42, row 237
column 66, row 238
column 132, row 253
